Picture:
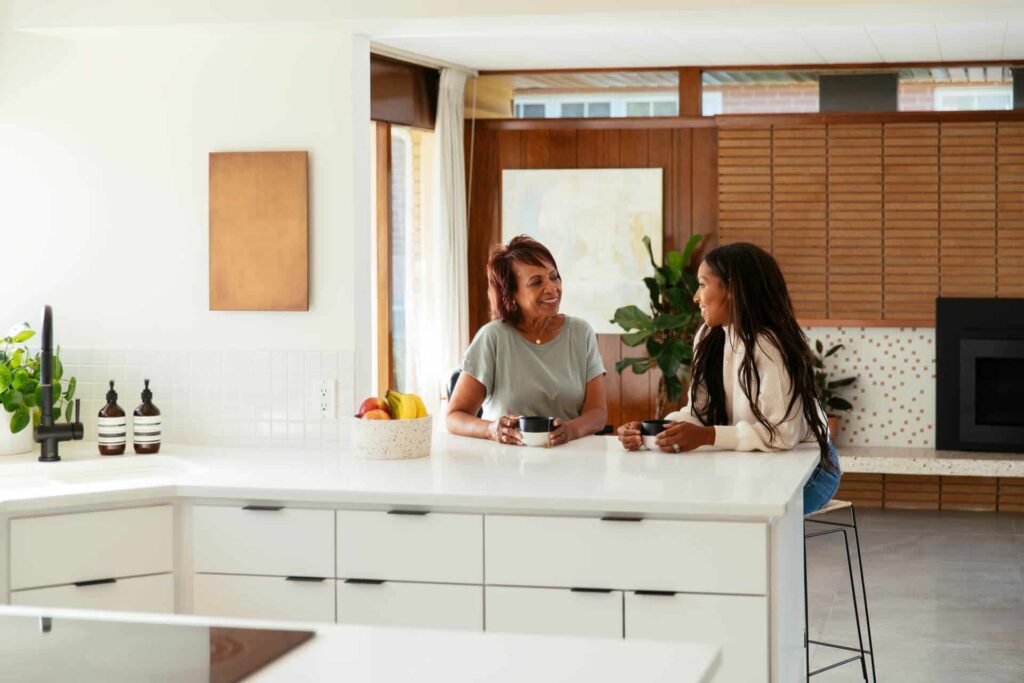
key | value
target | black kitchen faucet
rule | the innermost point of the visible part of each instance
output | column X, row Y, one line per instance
column 48, row 434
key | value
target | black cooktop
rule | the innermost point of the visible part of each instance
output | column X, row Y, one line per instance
column 40, row 648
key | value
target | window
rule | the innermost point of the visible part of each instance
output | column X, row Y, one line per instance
column 968, row 98
column 711, row 103
column 665, row 108
column 588, row 94
column 638, row 108
column 759, row 92
column 599, row 109
column 572, row 110
column 530, row 110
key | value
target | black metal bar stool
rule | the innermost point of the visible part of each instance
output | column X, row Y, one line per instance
column 841, row 528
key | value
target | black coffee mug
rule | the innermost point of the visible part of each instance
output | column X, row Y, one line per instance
column 653, row 427
column 535, row 423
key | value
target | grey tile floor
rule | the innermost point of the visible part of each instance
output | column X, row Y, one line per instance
column 946, row 592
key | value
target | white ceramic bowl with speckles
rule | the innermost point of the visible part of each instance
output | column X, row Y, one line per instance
column 392, row 439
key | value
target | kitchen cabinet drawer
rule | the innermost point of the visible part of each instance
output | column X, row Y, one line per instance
column 736, row 623
column 711, row 557
column 554, row 611
column 62, row 549
column 138, row 594
column 263, row 597
column 263, row 541
column 421, row 605
column 437, row 547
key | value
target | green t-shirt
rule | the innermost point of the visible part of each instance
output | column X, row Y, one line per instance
column 522, row 378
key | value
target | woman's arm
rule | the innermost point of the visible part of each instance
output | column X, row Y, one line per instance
column 591, row 420
column 461, row 418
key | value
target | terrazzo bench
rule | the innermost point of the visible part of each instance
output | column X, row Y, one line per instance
column 927, row 479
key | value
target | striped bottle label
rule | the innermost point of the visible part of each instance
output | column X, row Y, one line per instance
column 111, row 431
column 146, row 429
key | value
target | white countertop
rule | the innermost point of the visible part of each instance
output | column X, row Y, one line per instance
column 343, row 652
column 590, row 475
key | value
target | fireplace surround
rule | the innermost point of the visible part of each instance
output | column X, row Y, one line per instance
column 979, row 374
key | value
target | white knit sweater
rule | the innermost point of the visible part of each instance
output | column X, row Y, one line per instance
column 745, row 432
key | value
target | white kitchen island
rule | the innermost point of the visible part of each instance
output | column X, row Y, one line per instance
column 585, row 539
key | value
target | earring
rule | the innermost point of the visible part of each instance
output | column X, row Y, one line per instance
column 515, row 306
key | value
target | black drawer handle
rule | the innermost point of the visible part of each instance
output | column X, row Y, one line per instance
column 617, row 518
column 310, row 579
column 367, row 582
column 591, row 590
column 417, row 513
column 94, row 582
column 264, row 508
column 663, row 593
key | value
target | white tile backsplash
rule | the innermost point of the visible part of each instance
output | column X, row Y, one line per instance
column 248, row 398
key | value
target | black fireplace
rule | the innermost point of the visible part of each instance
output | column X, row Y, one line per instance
column 979, row 366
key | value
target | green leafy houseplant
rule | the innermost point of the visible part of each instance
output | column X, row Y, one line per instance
column 20, row 391
column 826, row 388
column 666, row 330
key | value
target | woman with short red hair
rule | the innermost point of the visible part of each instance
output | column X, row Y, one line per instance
column 530, row 359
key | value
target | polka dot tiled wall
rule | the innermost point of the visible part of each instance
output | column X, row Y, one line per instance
column 894, row 396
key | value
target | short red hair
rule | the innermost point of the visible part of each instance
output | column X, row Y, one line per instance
column 501, row 278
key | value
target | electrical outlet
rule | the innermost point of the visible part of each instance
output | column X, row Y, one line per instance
column 325, row 398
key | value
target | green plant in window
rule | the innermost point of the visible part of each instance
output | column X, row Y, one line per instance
column 666, row 330
column 20, row 391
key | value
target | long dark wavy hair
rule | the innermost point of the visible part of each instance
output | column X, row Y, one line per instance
column 761, row 307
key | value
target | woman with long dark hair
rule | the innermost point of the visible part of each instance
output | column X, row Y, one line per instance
column 752, row 383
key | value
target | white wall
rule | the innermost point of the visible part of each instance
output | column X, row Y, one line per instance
column 104, row 140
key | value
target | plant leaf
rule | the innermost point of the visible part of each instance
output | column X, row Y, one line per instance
column 631, row 318
column 671, row 357
column 58, row 369
column 653, row 347
column 635, row 362
column 13, row 400
column 30, row 398
column 650, row 254
column 5, row 378
column 19, row 420
column 818, row 346
column 655, row 292
column 676, row 297
column 37, row 395
column 674, row 264
column 635, row 338
column 673, row 388
column 20, row 379
column 837, row 403
column 24, row 335
column 56, row 412
column 845, row 382
column 670, row 321
column 72, row 384
column 833, row 350
column 691, row 245
column 68, row 410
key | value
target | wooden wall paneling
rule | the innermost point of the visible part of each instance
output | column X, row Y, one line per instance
column 745, row 185
column 968, row 493
column 1010, row 210
column 862, row 489
column 855, row 227
column 967, row 221
column 704, row 185
column 799, row 215
column 550, row 149
column 662, row 154
column 385, row 358
column 911, row 219
column 909, row 491
column 1011, row 494
column 690, row 92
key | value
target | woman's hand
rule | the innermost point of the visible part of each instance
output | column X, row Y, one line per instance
column 629, row 435
column 505, row 430
column 561, row 433
column 685, row 436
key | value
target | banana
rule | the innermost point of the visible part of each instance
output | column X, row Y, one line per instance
column 405, row 406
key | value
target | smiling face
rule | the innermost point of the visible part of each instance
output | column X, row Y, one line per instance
column 538, row 289
column 712, row 297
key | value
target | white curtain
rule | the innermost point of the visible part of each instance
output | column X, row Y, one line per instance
column 442, row 329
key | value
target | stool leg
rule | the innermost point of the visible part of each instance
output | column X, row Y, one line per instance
column 807, row 620
column 856, row 611
column 864, row 593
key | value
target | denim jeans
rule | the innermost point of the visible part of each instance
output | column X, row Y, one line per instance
column 822, row 485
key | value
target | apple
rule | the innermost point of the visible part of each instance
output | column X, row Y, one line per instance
column 373, row 403
column 376, row 415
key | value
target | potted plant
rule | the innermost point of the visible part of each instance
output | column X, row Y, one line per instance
column 828, row 395
column 666, row 330
column 21, row 393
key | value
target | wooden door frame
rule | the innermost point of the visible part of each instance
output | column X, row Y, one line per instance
column 385, row 370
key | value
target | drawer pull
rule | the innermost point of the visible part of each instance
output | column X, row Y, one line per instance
column 591, row 590
column 418, row 513
column 310, row 579
column 619, row 518
column 662, row 593
column 368, row 582
column 94, row 582
column 264, row 508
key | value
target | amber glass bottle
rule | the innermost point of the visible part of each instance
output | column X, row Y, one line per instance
column 146, row 424
column 111, row 426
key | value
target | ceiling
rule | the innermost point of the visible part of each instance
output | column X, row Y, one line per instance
column 786, row 36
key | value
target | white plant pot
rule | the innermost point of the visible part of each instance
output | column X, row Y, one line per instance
column 14, row 444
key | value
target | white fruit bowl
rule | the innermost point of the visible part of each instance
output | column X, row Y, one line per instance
column 392, row 439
